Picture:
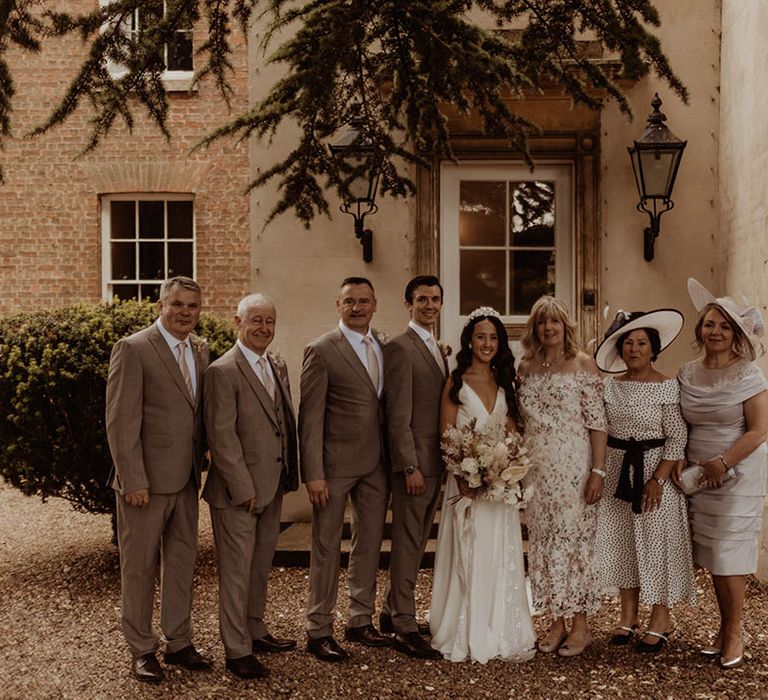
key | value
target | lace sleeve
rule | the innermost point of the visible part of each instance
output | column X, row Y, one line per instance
column 675, row 431
column 592, row 405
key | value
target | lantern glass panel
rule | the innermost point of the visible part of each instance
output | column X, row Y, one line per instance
column 657, row 168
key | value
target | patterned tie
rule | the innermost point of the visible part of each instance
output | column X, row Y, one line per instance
column 373, row 362
column 266, row 378
column 432, row 345
column 182, row 346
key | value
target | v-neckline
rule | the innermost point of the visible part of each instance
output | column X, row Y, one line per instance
column 482, row 403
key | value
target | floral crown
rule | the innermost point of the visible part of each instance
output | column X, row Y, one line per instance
column 483, row 311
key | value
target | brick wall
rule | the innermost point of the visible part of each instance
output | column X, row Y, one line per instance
column 50, row 235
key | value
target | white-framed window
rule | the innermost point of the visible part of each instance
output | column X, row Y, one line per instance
column 506, row 238
column 145, row 239
column 178, row 54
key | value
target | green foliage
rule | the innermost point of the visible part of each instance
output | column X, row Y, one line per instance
column 395, row 64
column 53, row 374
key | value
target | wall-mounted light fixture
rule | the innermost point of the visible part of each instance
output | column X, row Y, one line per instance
column 655, row 159
column 356, row 151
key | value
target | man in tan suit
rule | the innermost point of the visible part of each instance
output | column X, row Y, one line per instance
column 252, row 434
column 342, row 457
column 156, row 437
column 413, row 382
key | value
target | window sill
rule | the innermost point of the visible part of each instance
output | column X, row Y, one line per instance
column 173, row 81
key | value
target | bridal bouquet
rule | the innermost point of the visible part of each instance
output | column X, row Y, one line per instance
column 490, row 458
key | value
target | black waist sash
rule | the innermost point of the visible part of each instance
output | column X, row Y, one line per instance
column 631, row 479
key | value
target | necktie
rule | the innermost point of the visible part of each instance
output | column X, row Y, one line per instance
column 432, row 345
column 182, row 346
column 373, row 362
column 266, row 378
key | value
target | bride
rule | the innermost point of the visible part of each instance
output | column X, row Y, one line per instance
column 479, row 608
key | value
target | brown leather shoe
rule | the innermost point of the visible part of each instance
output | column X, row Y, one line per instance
column 188, row 658
column 387, row 627
column 413, row 644
column 367, row 635
column 269, row 643
column 247, row 667
column 146, row 668
column 327, row 649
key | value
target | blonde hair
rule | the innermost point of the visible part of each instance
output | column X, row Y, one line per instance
column 548, row 307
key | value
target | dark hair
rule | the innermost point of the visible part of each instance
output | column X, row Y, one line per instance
column 502, row 364
column 419, row 281
column 741, row 345
column 653, row 337
column 356, row 280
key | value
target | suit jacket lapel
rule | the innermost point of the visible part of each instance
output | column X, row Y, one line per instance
column 255, row 383
column 343, row 346
column 162, row 349
column 279, row 384
column 429, row 358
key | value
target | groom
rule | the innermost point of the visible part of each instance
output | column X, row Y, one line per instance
column 415, row 372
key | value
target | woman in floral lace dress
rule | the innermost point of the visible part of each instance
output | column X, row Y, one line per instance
column 560, row 396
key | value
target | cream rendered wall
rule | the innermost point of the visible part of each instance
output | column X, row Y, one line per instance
column 302, row 269
column 686, row 247
column 742, row 246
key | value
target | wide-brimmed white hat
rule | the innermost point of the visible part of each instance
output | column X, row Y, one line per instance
column 667, row 322
column 747, row 317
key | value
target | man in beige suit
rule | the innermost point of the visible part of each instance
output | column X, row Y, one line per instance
column 342, row 457
column 156, row 437
column 252, row 434
column 413, row 382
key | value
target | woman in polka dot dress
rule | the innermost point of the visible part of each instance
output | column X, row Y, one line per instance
column 643, row 536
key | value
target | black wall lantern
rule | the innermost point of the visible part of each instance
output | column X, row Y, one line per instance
column 356, row 151
column 655, row 158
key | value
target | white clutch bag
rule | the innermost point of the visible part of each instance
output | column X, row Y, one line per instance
column 690, row 479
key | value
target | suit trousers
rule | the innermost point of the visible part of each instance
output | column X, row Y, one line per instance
column 412, row 518
column 245, row 547
column 166, row 529
column 369, row 495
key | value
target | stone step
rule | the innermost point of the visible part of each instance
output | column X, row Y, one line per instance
column 293, row 543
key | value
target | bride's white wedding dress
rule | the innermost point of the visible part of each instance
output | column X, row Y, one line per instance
column 479, row 608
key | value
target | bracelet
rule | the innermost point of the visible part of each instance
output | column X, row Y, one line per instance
column 722, row 459
column 598, row 471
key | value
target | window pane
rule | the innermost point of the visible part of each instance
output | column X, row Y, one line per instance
column 151, row 262
column 122, row 218
column 532, row 274
column 481, row 213
column 180, row 52
column 123, row 261
column 151, row 220
column 125, row 291
column 179, row 219
column 482, row 280
column 180, row 259
column 150, row 291
column 532, row 213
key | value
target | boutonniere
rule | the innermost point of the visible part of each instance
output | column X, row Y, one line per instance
column 383, row 338
column 277, row 360
column 445, row 349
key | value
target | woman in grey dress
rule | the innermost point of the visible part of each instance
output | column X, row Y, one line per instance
column 724, row 400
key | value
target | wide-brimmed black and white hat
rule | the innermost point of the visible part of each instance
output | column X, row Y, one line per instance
column 668, row 323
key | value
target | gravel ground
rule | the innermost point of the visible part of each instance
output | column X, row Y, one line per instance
column 59, row 616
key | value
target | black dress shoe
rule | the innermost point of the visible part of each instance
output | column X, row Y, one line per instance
column 387, row 627
column 146, row 668
column 326, row 649
column 189, row 658
column 271, row 644
column 367, row 635
column 413, row 644
column 247, row 667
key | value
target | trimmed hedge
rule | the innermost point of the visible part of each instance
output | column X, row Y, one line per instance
column 53, row 376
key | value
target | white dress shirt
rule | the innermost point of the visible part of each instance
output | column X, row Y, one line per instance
column 355, row 339
column 253, row 360
column 173, row 344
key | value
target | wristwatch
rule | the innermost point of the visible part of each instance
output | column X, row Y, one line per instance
column 409, row 470
column 660, row 482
